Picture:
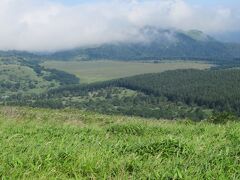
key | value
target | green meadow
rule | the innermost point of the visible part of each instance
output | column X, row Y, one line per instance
column 75, row 144
column 93, row 71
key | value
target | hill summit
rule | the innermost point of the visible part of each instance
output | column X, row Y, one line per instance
column 154, row 43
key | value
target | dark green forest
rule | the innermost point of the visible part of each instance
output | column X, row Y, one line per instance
column 215, row 89
column 193, row 94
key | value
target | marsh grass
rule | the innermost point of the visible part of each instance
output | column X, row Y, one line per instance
column 102, row 70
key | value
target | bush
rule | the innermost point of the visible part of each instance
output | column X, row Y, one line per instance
column 221, row 118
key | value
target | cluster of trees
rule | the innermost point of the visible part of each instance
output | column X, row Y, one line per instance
column 8, row 86
column 62, row 77
column 215, row 89
column 141, row 105
column 115, row 101
column 31, row 64
column 19, row 54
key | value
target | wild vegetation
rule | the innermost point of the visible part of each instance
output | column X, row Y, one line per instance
column 131, row 100
column 114, row 100
column 22, row 76
column 69, row 144
column 215, row 89
column 178, row 94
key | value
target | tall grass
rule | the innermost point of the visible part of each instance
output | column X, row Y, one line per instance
column 71, row 144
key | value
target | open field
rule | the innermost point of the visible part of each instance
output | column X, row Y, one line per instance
column 93, row 71
column 72, row 144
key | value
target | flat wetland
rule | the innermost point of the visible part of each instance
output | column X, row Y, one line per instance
column 102, row 70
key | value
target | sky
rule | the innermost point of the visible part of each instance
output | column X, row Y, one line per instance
column 52, row 25
column 200, row 2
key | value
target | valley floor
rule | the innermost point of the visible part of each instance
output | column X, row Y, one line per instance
column 65, row 144
column 103, row 70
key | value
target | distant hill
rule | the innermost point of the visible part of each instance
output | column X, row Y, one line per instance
column 20, row 54
column 151, row 44
column 228, row 36
column 158, row 44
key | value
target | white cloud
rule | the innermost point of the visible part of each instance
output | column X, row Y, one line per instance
column 44, row 26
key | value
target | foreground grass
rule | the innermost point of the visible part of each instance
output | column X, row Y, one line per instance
column 71, row 144
column 94, row 71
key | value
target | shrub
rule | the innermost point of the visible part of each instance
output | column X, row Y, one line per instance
column 221, row 118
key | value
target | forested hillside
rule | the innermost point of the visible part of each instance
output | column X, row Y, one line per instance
column 159, row 44
column 218, row 89
column 152, row 44
column 25, row 76
column 215, row 89
column 193, row 94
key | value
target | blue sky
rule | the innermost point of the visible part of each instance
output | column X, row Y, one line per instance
column 214, row 2
column 193, row 2
column 72, row 2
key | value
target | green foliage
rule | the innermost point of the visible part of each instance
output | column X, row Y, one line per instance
column 182, row 94
column 74, row 144
column 221, row 118
column 62, row 77
column 191, row 94
column 114, row 100
column 215, row 89
column 22, row 76
column 19, row 78
column 166, row 148
column 130, row 129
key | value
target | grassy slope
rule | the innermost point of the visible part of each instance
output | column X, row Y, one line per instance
column 25, row 76
column 50, row 144
column 93, row 71
column 17, row 75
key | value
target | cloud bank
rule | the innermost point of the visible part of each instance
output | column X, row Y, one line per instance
column 44, row 25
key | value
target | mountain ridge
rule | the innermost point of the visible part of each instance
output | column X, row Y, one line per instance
column 158, row 44
column 152, row 44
